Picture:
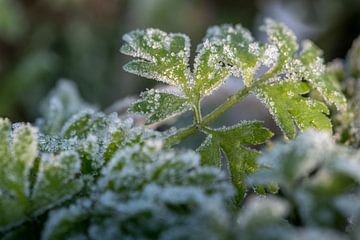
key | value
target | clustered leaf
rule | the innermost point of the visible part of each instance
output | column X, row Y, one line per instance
column 286, row 83
column 321, row 81
column 318, row 178
column 164, row 57
column 284, row 93
column 233, row 142
column 347, row 72
column 291, row 109
column 27, row 191
column 149, row 192
column 83, row 174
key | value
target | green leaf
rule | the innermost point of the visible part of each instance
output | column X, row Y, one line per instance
column 290, row 109
column 318, row 78
column 210, row 152
column 22, row 180
column 82, row 124
column 282, row 37
column 226, row 50
column 56, row 180
column 232, row 141
column 162, row 56
column 160, row 105
column 61, row 103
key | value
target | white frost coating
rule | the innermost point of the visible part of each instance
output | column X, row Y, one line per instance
column 280, row 35
column 254, row 48
column 166, row 59
column 288, row 162
column 270, row 56
column 74, row 119
column 24, row 150
column 261, row 208
column 71, row 213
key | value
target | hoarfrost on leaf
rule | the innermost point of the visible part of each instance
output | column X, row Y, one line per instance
column 162, row 56
column 232, row 141
column 159, row 105
column 290, row 109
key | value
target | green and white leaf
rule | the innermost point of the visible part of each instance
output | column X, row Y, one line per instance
column 20, row 175
column 161, row 56
column 290, row 109
column 226, row 50
column 61, row 103
column 56, row 179
column 233, row 142
column 157, row 105
column 315, row 73
column 282, row 37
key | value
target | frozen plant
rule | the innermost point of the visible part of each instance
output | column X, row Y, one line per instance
column 226, row 50
column 79, row 173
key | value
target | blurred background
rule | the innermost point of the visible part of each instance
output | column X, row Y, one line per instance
column 42, row 41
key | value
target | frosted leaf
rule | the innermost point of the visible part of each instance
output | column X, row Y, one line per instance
column 288, row 162
column 210, row 152
column 162, row 56
column 115, row 139
column 159, row 105
column 282, row 37
column 16, row 159
column 91, row 154
column 286, row 103
column 56, row 180
column 84, row 123
column 314, row 173
column 232, row 141
column 226, row 50
column 61, row 221
column 320, row 80
column 141, row 186
column 270, row 55
column 21, row 177
column 259, row 211
column 5, row 152
column 61, row 103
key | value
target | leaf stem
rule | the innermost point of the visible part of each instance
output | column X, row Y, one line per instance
column 188, row 131
column 217, row 112
column 197, row 112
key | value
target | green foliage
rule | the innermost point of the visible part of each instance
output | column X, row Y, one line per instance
column 159, row 105
column 232, row 141
column 346, row 72
column 319, row 179
column 30, row 182
column 226, row 50
column 286, row 103
column 140, row 188
column 81, row 173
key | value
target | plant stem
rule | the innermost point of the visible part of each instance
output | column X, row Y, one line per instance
column 229, row 103
column 197, row 112
column 188, row 131
column 217, row 112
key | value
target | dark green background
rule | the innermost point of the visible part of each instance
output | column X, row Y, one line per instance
column 42, row 41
